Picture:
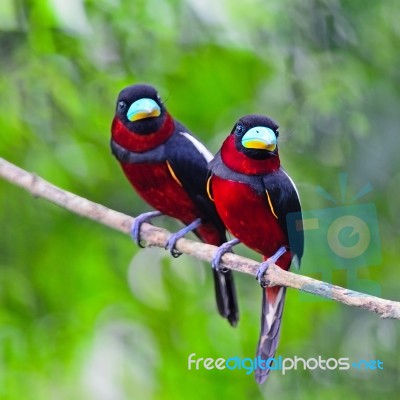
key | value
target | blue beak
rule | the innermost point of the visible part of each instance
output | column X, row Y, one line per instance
column 143, row 108
column 261, row 138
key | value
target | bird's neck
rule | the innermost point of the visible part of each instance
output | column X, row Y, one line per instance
column 239, row 162
column 141, row 143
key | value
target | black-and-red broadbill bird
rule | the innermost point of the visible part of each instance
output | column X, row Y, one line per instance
column 253, row 196
column 167, row 166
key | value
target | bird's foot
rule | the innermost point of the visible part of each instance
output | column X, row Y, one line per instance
column 139, row 220
column 180, row 234
column 224, row 248
column 265, row 265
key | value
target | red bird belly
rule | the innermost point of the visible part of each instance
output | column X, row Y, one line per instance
column 248, row 216
column 157, row 187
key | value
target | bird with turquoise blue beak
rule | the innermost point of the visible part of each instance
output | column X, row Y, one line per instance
column 167, row 166
column 254, row 197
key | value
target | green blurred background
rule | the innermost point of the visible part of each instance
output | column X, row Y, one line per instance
column 85, row 314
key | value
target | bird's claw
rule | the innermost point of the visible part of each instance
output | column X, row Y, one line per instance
column 139, row 220
column 224, row 248
column 180, row 234
column 170, row 246
column 265, row 265
column 261, row 273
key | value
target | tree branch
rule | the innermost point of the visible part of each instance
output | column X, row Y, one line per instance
column 157, row 237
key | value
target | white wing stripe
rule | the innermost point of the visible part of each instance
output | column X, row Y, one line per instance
column 199, row 146
column 293, row 184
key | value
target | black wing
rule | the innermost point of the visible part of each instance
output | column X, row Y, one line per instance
column 283, row 196
column 188, row 158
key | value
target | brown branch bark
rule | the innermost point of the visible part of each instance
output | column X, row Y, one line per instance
column 157, row 237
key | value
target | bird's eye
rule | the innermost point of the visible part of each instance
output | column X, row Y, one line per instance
column 121, row 105
column 239, row 129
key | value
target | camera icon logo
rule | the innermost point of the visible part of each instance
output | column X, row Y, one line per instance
column 345, row 237
column 349, row 236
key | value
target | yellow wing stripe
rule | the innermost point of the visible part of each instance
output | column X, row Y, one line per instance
column 270, row 205
column 208, row 188
column 173, row 174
